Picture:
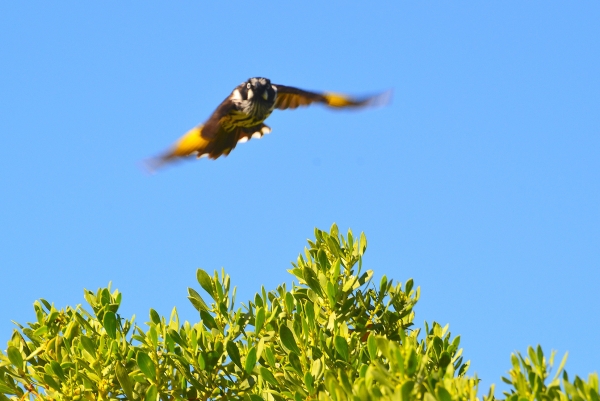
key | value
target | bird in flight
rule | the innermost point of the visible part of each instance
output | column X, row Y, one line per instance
column 241, row 117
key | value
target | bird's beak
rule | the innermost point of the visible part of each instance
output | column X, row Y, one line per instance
column 265, row 95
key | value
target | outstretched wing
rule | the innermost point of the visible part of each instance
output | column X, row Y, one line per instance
column 198, row 140
column 290, row 98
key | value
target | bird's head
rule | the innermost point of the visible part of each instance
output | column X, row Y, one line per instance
column 258, row 89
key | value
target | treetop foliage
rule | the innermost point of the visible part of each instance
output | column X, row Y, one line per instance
column 336, row 335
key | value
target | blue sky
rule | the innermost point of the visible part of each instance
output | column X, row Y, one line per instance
column 481, row 180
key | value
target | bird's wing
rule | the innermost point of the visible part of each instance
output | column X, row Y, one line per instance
column 290, row 98
column 199, row 140
column 192, row 142
column 212, row 127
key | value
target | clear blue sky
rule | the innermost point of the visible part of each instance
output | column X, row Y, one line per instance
column 481, row 180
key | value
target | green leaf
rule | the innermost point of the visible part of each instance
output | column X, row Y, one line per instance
column 408, row 286
column 250, row 360
column 51, row 382
column 316, row 369
column 323, row 261
column 444, row 359
column 110, row 324
column 202, row 360
column 88, row 345
column 428, row 397
column 15, row 357
column 208, row 320
column 46, row 303
column 234, row 353
column 288, row 340
column 268, row 376
column 289, row 302
column 561, row 366
column 154, row 317
column 443, row 394
column 334, row 246
column 40, row 331
column 311, row 280
column 295, row 363
column 383, row 284
column 259, row 321
column 255, row 397
column 532, row 356
column 151, row 393
column 341, row 346
column 331, row 292
column 372, row 347
column 309, row 381
column 57, row 369
column 333, row 230
column 146, row 365
column 197, row 300
column 205, row 282
column 4, row 389
column 540, row 355
column 124, row 380
column 407, row 389
column 310, row 313
column 363, row 244
column 177, row 338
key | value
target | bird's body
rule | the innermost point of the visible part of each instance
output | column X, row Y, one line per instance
column 241, row 117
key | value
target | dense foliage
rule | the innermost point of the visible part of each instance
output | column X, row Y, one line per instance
column 334, row 336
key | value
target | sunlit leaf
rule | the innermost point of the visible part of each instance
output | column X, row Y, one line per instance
column 124, row 380
column 259, row 320
column 51, row 382
column 268, row 376
column 208, row 320
column 341, row 346
column 154, row 317
column 250, row 360
column 15, row 357
column 146, row 365
column 312, row 281
column 197, row 300
column 288, row 340
column 234, row 353
column 110, row 324
column 151, row 393
column 57, row 369
column 205, row 282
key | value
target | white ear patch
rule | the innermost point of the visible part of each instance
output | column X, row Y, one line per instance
column 243, row 139
column 274, row 88
column 236, row 95
column 250, row 94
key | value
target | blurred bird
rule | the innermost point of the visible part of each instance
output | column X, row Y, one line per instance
column 241, row 117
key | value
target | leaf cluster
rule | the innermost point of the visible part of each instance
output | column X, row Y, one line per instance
column 335, row 335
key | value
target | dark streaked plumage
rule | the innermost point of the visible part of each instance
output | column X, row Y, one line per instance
column 241, row 115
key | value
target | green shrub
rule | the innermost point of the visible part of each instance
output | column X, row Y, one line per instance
column 334, row 336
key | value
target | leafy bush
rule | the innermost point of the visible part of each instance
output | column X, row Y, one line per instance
column 334, row 336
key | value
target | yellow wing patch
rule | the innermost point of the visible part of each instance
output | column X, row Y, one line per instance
column 337, row 100
column 189, row 143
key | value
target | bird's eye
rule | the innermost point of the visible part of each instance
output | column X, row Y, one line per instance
column 248, row 85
